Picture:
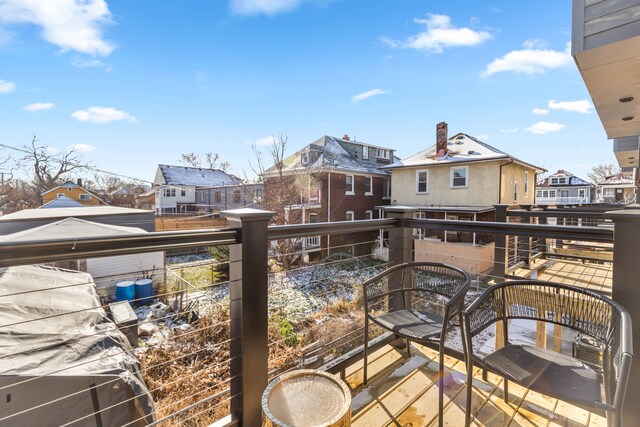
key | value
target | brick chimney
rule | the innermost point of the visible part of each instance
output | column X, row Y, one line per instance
column 442, row 138
column 79, row 182
column 346, row 137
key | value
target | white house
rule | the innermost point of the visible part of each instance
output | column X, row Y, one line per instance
column 564, row 188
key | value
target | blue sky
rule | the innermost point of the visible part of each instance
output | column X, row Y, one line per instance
column 136, row 83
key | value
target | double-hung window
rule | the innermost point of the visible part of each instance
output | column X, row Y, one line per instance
column 526, row 182
column 368, row 186
column 349, row 185
column 386, row 188
column 349, row 216
column 422, row 182
column 459, row 177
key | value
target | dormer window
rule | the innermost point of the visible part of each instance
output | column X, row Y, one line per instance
column 559, row 180
column 304, row 158
column 365, row 152
column 384, row 154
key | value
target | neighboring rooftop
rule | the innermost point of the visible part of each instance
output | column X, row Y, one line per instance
column 62, row 201
column 71, row 228
column 572, row 180
column 184, row 175
column 344, row 154
column 68, row 212
column 617, row 179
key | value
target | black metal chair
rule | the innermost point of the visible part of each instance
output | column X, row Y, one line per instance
column 417, row 301
column 546, row 371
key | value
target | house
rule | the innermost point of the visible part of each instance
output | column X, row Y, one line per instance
column 331, row 179
column 127, row 195
column 564, row 188
column 62, row 201
column 106, row 271
column 460, row 178
column 73, row 191
column 189, row 190
column 617, row 188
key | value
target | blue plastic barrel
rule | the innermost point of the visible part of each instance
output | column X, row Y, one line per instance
column 144, row 291
column 125, row 291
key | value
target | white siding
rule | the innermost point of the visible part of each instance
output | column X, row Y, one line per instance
column 107, row 271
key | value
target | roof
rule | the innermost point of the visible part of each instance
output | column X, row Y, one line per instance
column 330, row 153
column 62, row 201
column 67, row 212
column 184, row 175
column 618, row 178
column 462, row 148
column 442, row 208
column 573, row 180
column 71, row 228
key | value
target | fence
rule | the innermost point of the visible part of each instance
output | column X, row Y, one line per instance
column 239, row 343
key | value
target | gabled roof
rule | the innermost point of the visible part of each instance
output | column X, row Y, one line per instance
column 574, row 181
column 618, row 178
column 70, row 228
column 462, row 148
column 34, row 214
column 184, row 175
column 62, row 202
column 330, row 153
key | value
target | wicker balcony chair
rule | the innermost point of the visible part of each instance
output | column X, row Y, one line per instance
column 417, row 301
column 546, row 371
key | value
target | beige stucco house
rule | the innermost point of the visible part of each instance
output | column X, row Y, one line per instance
column 460, row 178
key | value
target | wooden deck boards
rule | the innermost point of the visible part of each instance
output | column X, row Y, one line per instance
column 596, row 277
column 407, row 395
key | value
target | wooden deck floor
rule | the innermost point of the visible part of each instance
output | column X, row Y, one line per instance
column 403, row 392
column 596, row 277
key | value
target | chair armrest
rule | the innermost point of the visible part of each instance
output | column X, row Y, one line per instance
column 456, row 303
column 484, row 311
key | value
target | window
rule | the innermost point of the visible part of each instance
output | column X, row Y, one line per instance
column 368, row 214
column 515, row 191
column 368, row 186
column 386, row 188
column 608, row 192
column 459, row 177
column 581, row 193
column 169, row 192
column 564, row 193
column 257, row 195
column 422, row 182
column 313, row 218
column 218, row 197
column 349, row 216
column 552, row 194
column 183, row 192
column 349, row 185
column 203, row 197
column 304, row 158
column 85, row 197
column 60, row 195
column 420, row 233
column 384, row 154
column 539, row 193
column 236, row 196
column 526, row 183
column 365, row 152
column 558, row 180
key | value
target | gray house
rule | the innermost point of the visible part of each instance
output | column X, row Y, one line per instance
column 564, row 188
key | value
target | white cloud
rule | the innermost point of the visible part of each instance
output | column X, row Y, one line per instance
column 90, row 63
column 69, row 24
column 368, row 94
column 544, row 127
column 266, row 7
column 267, row 140
column 102, row 115
column 439, row 35
column 509, row 130
column 540, row 111
column 531, row 60
column 38, row 106
column 82, row 148
column 6, row 87
column 581, row 106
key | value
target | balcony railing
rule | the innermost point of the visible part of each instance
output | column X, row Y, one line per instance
column 561, row 200
column 253, row 339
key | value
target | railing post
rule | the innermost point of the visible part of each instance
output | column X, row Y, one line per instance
column 626, row 271
column 542, row 241
column 249, row 313
column 500, row 249
column 400, row 245
column 524, row 243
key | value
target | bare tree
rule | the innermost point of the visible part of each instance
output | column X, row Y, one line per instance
column 600, row 172
column 211, row 161
column 49, row 169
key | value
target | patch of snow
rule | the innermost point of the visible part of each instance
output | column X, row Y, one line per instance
column 360, row 400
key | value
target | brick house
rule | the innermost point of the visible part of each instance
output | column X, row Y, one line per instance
column 329, row 180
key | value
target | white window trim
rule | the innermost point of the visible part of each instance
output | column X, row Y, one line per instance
column 526, row 183
column 368, row 214
column 85, row 197
column 353, row 216
column 466, row 179
column 365, row 152
column 304, row 158
column 387, row 196
column 426, row 172
column 515, row 191
column 370, row 179
column 351, row 192
column 583, row 191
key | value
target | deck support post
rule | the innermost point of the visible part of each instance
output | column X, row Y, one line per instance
column 626, row 271
column 500, row 248
column 524, row 243
column 400, row 245
column 249, row 313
